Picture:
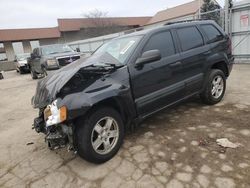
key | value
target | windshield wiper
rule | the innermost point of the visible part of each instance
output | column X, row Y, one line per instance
column 114, row 65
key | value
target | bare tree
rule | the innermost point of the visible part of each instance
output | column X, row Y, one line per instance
column 102, row 24
column 98, row 18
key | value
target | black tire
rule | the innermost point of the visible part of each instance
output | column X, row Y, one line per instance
column 84, row 132
column 206, row 96
column 21, row 71
column 33, row 74
column 44, row 72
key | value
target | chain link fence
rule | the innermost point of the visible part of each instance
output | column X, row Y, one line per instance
column 240, row 34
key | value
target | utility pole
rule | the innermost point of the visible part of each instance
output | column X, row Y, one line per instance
column 199, row 14
column 226, row 9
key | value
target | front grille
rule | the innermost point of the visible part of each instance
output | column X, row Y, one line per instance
column 67, row 60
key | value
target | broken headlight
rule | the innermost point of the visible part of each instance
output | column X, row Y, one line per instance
column 53, row 115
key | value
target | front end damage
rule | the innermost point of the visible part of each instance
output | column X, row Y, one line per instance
column 58, row 135
column 69, row 93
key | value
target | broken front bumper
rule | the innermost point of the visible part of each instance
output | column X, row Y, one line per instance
column 57, row 136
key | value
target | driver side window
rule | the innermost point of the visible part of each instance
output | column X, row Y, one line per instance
column 163, row 42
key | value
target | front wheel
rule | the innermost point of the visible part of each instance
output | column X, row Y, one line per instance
column 100, row 135
column 215, row 87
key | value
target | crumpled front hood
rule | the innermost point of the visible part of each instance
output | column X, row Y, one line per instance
column 49, row 87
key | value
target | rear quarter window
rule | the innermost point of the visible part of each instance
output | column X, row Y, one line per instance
column 212, row 33
column 190, row 38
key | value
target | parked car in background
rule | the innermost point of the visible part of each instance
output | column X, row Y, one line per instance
column 1, row 75
column 21, row 61
column 88, row 105
column 50, row 57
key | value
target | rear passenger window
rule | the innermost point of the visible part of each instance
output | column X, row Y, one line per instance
column 161, row 41
column 212, row 33
column 190, row 38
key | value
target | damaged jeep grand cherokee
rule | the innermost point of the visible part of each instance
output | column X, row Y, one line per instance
column 89, row 104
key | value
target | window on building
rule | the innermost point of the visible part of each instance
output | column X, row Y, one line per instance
column 190, row 38
column 34, row 44
column 161, row 41
column 3, row 56
column 212, row 33
column 18, row 47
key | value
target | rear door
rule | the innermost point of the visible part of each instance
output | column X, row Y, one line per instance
column 158, row 83
column 193, row 53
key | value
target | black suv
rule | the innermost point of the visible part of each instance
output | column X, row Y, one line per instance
column 49, row 57
column 89, row 104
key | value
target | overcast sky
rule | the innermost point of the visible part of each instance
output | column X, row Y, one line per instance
column 44, row 13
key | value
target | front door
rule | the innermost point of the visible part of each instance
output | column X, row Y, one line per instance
column 158, row 83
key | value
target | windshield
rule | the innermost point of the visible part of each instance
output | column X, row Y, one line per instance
column 54, row 49
column 21, row 57
column 120, row 48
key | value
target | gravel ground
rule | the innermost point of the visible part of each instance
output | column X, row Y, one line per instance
column 175, row 148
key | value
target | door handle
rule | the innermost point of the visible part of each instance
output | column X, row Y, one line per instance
column 176, row 64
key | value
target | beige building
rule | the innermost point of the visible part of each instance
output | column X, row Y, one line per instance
column 68, row 30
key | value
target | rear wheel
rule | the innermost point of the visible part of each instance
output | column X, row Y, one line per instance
column 215, row 88
column 100, row 135
column 44, row 72
column 33, row 74
column 21, row 71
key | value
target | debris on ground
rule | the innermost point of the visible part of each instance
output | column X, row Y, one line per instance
column 29, row 143
column 203, row 142
column 224, row 142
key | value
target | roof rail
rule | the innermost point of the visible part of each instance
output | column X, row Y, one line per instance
column 184, row 21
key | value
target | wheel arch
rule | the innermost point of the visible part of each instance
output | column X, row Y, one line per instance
column 115, row 102
column 221, row 65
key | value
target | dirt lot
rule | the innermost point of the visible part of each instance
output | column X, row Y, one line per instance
column 174, row 148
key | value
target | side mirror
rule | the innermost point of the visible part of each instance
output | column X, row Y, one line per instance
column 15, row 60
column 148, row 57
column 78, row 50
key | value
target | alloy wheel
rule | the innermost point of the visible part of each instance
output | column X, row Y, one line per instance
column 217, row 87
column 105, row 135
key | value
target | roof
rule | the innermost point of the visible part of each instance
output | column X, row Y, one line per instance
column 28, row 34
column 166, row 27
column 175, row 12
column 74, row 24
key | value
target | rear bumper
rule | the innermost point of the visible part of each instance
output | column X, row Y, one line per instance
column 24, row 68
